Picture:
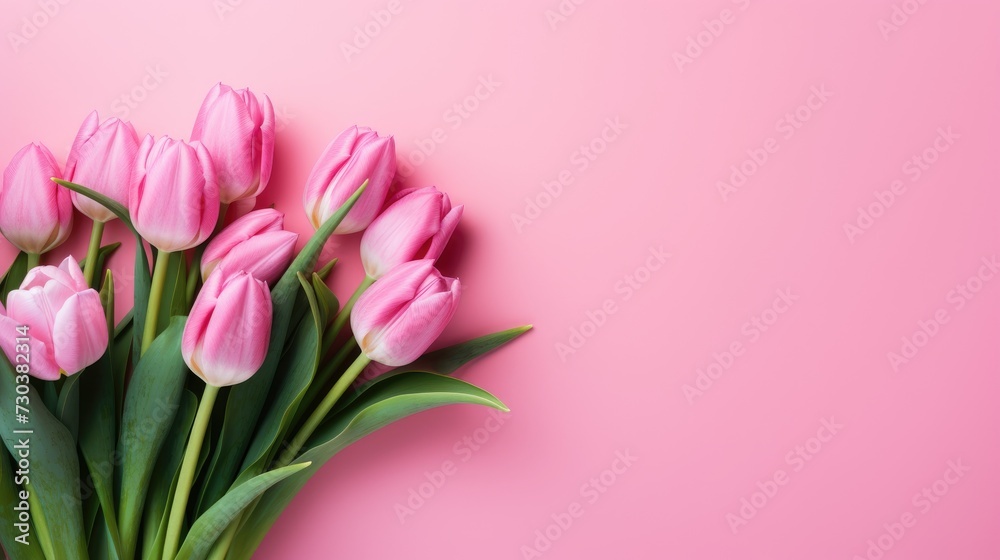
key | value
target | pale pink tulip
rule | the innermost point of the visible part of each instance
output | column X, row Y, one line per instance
column 356, row 156
column 416, row 225
column 238, row 130
column 66, row 325
column 36, row 215
column 402, row 314
column 254, row 243
column 102, row 159
column 174, row 199
column 227, row 333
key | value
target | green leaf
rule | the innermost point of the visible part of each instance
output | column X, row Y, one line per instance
column 114, row 206
column 163, row 484
column 327, row 300
column 140, row 297
column 246, row 400
column 68, row 407
column 99, row 426
column 381, row 404
column 208, row 527
column 14, row 276
column 301, row 360
column 152, row 401
column 121, row 349
column 9, row 499
column 448, row 360
column 55, row 470
column 103, row 254
column 174, row 300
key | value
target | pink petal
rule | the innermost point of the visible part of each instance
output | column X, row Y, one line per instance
column 81, row 334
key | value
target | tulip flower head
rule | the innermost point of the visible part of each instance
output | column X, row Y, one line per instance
column 36, row 215
column 102, row 159
column 255, row 243
column 238, row 131
column 416, row 225
column 174, row 198
column 402, row 314
column 228, row 331
column 357, row 155
column 67, row 329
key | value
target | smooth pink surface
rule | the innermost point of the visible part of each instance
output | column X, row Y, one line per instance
column 546, row 92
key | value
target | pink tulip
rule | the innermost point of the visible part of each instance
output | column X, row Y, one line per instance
column 238, row 130
column 66, row 326
column 255, row 243
column 227, row 333
column 416, row 225
column 403, row 313
column 36, row 215
column 357, row 155
column 102, row 159
column 174, row 199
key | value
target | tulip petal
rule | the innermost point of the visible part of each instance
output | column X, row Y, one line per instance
column 41, row 365
column 80, row 334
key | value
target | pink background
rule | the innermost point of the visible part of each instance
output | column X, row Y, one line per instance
column 825, row 358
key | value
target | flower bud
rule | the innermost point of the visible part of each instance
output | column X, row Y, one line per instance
column 228, row 331
column 402, row 314
column 36, row 215
column 254, row 243
column 356, row 156
column 102, row 159
column 238, row 131
column 174, row 199
column 416, row 225
column 67, row 329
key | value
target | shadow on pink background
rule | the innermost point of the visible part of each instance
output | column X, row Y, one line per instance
column 713, row 372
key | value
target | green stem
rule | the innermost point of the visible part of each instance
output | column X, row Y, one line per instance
column 33, row 260
column 176, row 522
column 318, row 415
column 89, row 269
column 155, row 295
column 345, row 312
column 327, row 371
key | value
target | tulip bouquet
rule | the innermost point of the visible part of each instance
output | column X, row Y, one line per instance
column 184, row 427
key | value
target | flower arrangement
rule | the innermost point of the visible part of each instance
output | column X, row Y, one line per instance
column 184, row 429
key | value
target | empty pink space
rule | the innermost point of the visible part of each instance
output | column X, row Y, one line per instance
column 758, row 241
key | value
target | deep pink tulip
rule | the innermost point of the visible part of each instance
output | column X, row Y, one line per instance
column 403, row 313
column 238, row 131
column 66, row 324
column 102, row 159
column 357, row 155
column 416, row 225
column 227, row 333
column 255, row 243
column 36, row 215
column 174, row 199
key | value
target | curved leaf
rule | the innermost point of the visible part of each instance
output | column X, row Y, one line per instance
column 114, row 206
column 153, row 397
column 9, row 499
column 54, row 485
column 380, row 405
column 208, row 527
